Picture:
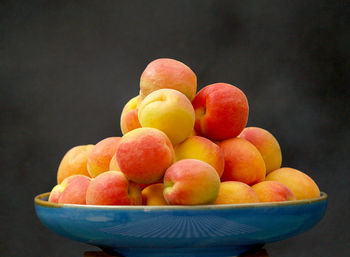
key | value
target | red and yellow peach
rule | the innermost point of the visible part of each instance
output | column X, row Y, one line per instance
column 191, row 182
column 129, row 118
column 113, row 188
column 235, row 192
column 168, row 73
column 56, row 193
column 221, row 111
column 267, row 145
column 101, row 155
column 243, row 162
column 144, row 154
column 203, row 149
column 71, row 190
column 273, row 191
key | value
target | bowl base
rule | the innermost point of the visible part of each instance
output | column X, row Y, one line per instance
column 230, row 251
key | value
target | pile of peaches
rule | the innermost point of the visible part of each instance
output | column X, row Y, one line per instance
column 181, row 147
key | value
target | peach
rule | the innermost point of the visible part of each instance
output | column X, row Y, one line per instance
column 143, row 186
column 74, row 191
column 153, row 195
column 101, row 155
column 113, row 164
column 235, row 192
column 144, row 154
column 193, row 133
column 113, row 188
column 56, row 193
column 168, row 73
column 58, row 189
column 243, row 161
column 273, row 191
column 129, row 118
column 203, row 149
column 267, row 145
column 191, row 182
column 169, row 111
column 301, row 184
column 221, row 111
column 74, row 162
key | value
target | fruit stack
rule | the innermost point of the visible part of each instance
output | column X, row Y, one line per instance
column 180, row 147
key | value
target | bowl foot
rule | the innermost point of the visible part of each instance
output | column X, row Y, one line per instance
column 230, row 251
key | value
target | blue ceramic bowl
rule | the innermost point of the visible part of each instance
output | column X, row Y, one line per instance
column 206, row 230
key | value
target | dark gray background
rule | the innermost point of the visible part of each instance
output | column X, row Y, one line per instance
column 68, row 67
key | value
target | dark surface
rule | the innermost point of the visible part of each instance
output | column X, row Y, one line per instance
column 67, row 68
column 254, row 253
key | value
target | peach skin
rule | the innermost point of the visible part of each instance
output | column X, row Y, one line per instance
column 143, row 186
column 169, row 111
column 193, row 133
column 74, row 191
column 221, row 111
column 243, row 161
column 113, row 164
column 203, row 149
column 74, row 162
column 168, row 73
column 153, row 195
column 267, row 145
column 273, row 191
column 56, row 193
column 129, row 118
column 301, row 184
column 191, row 182
column 235, row 192
column 113, row 188
column 101, row 155
column 144, row 154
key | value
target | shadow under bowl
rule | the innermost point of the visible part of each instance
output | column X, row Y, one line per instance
column 204, row 230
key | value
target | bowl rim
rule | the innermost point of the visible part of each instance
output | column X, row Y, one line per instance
column 38, row 200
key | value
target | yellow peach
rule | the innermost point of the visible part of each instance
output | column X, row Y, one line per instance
column 203, row 149
column 267, row 145
column 301, row 184
column 235, row 192
column 74, row 162
column 153, row 195
column 169, row 111
column 113, row 165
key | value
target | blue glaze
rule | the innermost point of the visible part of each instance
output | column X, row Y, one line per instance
column 212, row 230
